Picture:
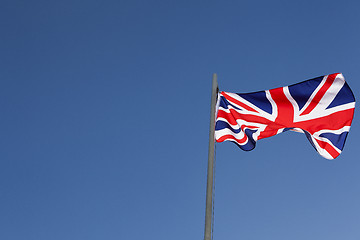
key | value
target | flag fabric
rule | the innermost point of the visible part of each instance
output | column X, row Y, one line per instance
column 322, row 108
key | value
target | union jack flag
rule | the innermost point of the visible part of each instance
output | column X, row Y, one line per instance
column 322, row 108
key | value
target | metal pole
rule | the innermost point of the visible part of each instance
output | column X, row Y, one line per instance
column 210, row 173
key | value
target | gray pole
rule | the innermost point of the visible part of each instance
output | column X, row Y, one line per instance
column 210, row 173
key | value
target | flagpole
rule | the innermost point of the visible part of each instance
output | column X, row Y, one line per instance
column 210, row 172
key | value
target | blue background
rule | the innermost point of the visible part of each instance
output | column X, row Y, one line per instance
column 104, row 119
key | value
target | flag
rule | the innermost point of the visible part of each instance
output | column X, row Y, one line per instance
column 322, row 108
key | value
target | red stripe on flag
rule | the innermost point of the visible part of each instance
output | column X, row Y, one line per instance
column 234, row 115
column 228, row 116
column 333, row 121
column 285, row 110
column 229, row 136
column 329, row 81
column 243, row 105
column 324, row 145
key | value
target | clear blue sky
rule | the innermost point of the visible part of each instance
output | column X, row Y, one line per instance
column 105, row 116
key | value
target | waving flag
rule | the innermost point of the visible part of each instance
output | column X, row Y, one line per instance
column 322, row 108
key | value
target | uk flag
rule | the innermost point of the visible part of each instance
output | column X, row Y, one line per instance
column 322, row 108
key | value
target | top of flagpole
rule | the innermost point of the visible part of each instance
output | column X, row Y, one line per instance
column 215, row 86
